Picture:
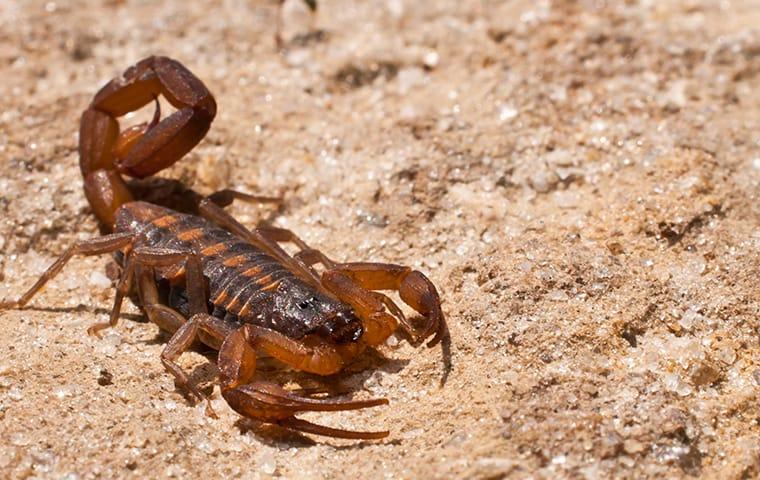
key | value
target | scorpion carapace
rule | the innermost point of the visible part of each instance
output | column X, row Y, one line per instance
column 202, row 275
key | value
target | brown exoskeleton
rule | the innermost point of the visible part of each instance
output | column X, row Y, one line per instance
column 202, row 275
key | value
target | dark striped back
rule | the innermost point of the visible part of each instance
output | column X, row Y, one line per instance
column 241, row 278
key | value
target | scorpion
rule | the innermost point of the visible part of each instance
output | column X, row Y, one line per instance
column 199, row 274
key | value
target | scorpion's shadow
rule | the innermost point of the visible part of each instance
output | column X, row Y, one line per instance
column 276, row 436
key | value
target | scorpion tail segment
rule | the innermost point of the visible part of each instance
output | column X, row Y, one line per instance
column 148, row 78
column 103, row 187
column 269, row 394
column 144, row 150
column 98, row 132
column 160, row 144
column 132, row 135
column 106, row 192
column 154, row 149
column 270, row 403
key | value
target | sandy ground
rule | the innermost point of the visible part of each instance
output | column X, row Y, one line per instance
column 580, row 179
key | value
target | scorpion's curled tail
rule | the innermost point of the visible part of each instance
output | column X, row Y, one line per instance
column 105, row 153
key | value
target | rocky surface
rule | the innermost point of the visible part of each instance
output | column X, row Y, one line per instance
column 580, row 179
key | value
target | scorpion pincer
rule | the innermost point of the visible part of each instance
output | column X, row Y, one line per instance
column 200, row 274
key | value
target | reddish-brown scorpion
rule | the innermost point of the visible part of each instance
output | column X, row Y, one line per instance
column 200, row 274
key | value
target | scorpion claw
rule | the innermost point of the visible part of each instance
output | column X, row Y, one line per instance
column 270, row 403
column 266, row 395
column 293, row 423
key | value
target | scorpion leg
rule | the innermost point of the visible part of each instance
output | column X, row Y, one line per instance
column 277, row 234
column 155, row 257
column 95, row 246
column 147, row 259
column 270, row 403
column 122, row 289
column 306, row 257
column 212, row 329
column 213, row 212
column 312, row 256
column 225, row 197
column 267, row 238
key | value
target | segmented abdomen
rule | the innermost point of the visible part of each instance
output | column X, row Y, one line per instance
column 241, row 278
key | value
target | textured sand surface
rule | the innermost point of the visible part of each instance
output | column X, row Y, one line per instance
column 580, row 179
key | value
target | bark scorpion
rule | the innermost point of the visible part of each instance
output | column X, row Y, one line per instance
column 202, row 275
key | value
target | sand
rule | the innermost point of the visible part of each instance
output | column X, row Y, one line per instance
column 579, row 179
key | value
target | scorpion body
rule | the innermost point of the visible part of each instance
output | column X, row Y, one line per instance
column 244, row 284
column 201, row 275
